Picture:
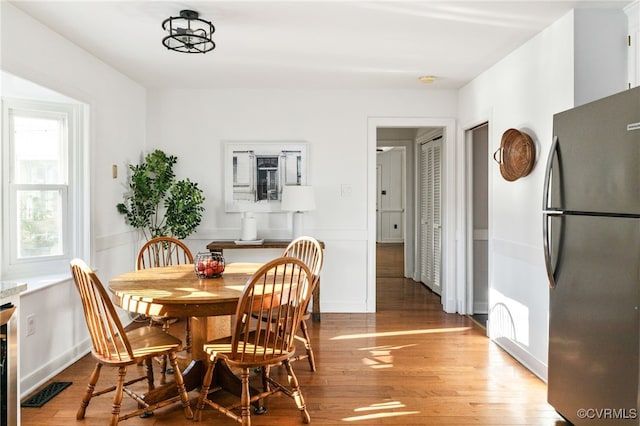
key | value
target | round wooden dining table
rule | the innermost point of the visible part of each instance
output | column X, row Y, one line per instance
column 176, row 291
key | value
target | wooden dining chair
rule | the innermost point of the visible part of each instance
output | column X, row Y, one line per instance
column 309, row 250
column 115, row 347
column 165, row 251
column 279, row 291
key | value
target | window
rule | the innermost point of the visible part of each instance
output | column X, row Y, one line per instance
column 42, row 166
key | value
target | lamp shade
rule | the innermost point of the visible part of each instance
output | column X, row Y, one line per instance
column 297, row 198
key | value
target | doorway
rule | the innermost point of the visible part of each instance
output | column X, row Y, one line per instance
column 424, row 235
column 448, row 296
column 394, row 189
column 477, row 148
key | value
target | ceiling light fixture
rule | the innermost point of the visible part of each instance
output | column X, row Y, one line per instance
column 188, row 33
column 427, row 79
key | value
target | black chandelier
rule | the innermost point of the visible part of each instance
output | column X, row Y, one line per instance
column 188, row 33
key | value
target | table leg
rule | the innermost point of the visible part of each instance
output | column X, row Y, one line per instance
column 192, row 376
column 203, row 329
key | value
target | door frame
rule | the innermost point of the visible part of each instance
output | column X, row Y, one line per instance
column 469, row 211
column 464, row 283
column 449, row 190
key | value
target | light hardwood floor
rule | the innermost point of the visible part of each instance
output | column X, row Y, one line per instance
column 407, row 364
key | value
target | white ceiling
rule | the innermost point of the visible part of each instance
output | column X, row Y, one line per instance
column 307, row 44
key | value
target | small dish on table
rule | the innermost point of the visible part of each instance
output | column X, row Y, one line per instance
column 249, row 242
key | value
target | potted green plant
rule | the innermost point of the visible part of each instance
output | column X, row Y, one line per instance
column 157, row 203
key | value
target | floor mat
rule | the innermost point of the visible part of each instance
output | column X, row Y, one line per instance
column 46, row 394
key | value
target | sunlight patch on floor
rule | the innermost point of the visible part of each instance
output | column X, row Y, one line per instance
column 379, row 416
column 381, row 356
column 391, row 405
column 400, row 333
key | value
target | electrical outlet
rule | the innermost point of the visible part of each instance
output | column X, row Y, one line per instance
column 31, row 324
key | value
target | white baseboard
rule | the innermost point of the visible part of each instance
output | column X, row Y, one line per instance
column 32, row 381
column 523, row 357
column 343, row 307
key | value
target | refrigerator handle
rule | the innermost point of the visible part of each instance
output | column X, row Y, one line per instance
column 547, row 250
column 546, row 213
column 547, row 175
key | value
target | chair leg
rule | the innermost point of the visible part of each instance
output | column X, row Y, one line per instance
column 266, row 387
column 117, row 398
column 265, row 372
column 296, row 393
column 204, row 390
column 187, row 337
column 164, row 360
column 149, row 366
column 307, row 345
column 177, row 375
column 163, row 370
column 245, row 407
column 93, row 379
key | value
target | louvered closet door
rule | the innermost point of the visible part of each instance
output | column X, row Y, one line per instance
column 431, row 215
column 426, row 243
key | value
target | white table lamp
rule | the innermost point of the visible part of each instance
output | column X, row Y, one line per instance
column 297, row 199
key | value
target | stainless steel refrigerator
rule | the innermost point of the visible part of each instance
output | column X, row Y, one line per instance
column 591, row 229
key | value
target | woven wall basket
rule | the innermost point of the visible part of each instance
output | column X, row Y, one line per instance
column 516, row 155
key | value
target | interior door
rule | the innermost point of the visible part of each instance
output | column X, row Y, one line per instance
column 480, row 218
column 390, row 197
column 378, row 202
column 431, row 214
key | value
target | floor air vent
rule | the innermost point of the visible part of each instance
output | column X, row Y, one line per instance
column 46, row 394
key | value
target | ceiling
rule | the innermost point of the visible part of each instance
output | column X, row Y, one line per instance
column 307, row 44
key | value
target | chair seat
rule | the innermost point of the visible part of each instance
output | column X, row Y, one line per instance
column 221, row 349
column 144, row 341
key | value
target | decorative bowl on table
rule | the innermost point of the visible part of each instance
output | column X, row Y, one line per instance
column 208, row 265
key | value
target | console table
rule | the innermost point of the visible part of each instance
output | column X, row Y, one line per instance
column 221, row 245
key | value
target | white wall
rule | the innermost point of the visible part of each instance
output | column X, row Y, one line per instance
column 633, row 58
column 603, row 31
column 524, row 90
column 334, row 123
column 117, row 134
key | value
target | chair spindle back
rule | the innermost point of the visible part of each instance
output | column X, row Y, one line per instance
column 107, row 334
column 163, row 251
column 308, row 250
column 278, row 293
